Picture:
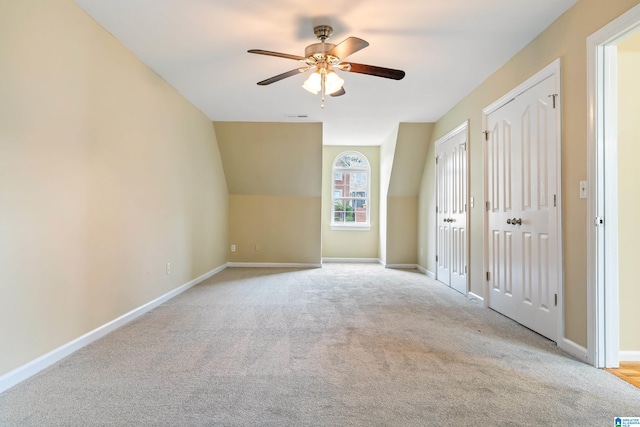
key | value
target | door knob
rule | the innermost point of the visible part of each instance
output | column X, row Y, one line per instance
column 508, row 220
column 516, row 221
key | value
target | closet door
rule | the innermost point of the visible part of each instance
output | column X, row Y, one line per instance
column 522, row 233
column 451, row 190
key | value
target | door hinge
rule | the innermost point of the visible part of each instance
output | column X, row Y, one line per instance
column 556, row 299
column 436, row 160
column 554, row 96
column 464, row 146
column 599, row 221
column 488, row 276
column 437, row 209
column 555, row 201
column 465, row 207
column 487, row 206
column 465, row 269
column 486, row 135
column 436, row 258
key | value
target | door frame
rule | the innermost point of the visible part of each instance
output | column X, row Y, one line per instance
column 603, row 335
column 552, row 70
column 463, row 127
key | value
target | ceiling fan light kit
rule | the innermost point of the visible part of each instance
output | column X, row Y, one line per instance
column 329, row 79
column 322, row 57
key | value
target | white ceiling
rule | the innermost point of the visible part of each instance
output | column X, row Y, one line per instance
column 446, row 47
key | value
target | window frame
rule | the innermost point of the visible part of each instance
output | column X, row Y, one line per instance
column 360, row 226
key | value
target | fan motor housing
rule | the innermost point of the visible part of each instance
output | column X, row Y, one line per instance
column 322, row 32
column 318, row 49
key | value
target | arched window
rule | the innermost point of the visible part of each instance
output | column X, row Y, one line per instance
column 350, row 189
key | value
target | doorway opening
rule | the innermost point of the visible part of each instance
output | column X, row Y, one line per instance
column 610, row 51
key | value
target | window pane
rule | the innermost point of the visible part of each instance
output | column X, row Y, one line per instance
column 351, row 161
column 350, row 189
column 341, row 183
column 361, row 212
column 358, row 183
column 344, row 211
column 350, row 210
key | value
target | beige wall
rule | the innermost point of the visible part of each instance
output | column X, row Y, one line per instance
column 106, row 174
column 275, row 229
column 387, row 153
column 350, row 243
column 274, row 175
column 427, row 213
column 565, row 38
column 402, row 225
column 628, row 180
column 407, row 159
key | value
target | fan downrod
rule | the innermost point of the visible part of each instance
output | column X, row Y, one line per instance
column 322, row 32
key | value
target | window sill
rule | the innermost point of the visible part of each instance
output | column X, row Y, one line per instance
column 349, row 227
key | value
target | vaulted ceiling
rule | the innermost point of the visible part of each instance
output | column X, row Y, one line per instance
column 446, row 49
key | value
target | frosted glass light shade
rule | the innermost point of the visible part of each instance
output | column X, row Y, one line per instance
column 313, row 83
column 332, row 83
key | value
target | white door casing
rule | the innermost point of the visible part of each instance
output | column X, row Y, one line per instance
column 523, row 249
column 451, row 209
column 602, row 226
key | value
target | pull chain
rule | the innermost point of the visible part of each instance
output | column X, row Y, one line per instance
column 323, row 74
column 323, row 77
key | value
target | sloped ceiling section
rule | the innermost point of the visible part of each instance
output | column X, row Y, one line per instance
column 271, row 159
column 408, row 161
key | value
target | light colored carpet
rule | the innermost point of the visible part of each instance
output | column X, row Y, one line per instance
column 337, row 346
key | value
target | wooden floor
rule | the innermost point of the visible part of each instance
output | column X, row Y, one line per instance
column 628, row 371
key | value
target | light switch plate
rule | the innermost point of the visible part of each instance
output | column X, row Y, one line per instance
column 583, row 189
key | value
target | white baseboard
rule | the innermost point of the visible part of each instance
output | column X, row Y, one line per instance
column 629, row 356
column 471, row 295
column 352, row 260
column 402, row 266
column 430, row 274
column 273, row 264
column 23, row 372
column 576, row 350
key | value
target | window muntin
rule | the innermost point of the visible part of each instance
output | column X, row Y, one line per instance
column 350, row 189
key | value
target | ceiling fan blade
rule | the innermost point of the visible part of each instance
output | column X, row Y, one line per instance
column 278, row 54
column 372, row 70
column 283, row 76
column 339, row 92
column 347, row 47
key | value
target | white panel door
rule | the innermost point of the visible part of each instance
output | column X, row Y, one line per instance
column 443, row 250
column 452, row 211
column 522, row 226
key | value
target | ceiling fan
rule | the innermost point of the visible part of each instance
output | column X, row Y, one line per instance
column 323, row 58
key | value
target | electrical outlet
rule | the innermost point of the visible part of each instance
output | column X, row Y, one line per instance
column 168, row 268
column 233, row 248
